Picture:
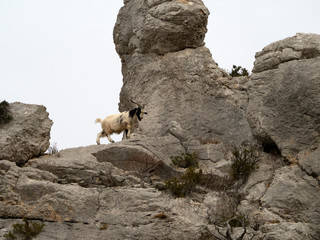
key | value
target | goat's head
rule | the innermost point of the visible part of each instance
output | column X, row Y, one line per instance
column 140, row 111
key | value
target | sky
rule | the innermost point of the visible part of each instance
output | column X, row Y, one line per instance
column 60, row 53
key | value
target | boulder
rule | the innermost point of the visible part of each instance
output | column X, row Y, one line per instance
column 160, row 26
column 27, row 135
column 310, row 162
column 284, row 95
column 293, row 195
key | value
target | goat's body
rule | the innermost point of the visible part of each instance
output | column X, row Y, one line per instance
column 119, row 122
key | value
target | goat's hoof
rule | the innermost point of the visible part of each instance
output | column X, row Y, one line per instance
column 98, row 143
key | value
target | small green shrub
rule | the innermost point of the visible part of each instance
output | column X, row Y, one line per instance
column 182, row 186
column 244, row 162
column 161, row 215
column 5, row 115
column 27, row 229
column 238, row 71
column 186, row 160
column 10, row 236
column 103, row 226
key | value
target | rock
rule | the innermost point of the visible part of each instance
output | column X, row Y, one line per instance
column 160, row 26
column 284, row 93
column 293, row 195
column 177, row 79
column 124, row 212
column 114, row 191
column 78, row 165
column 288, row 231
column 27, row 135
column 310, row 162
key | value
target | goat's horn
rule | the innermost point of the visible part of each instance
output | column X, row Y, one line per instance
column 136, row 103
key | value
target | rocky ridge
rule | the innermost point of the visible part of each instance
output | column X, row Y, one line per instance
column 115, row 191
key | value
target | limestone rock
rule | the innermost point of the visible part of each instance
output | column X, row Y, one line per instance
column 166, row 66
column 122, row 212
column 111, row 191
column 284, row 94
column 310, row 162
column 184, row 86
column 294, row 196
column 160, row 26
column 27, row 135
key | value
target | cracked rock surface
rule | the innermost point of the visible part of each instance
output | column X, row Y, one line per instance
column 27, row 135
column 284, row 94
column 117, row 191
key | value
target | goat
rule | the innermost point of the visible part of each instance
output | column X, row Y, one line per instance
column 125, row 121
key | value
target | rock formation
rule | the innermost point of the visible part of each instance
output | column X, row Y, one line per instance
column 284, row 93
column 117, row 191
column 27, row 135
column 166, row 65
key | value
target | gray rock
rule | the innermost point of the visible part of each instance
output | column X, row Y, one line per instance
column 78, row 165
column 289, row 231
column 165, row 64
column 160, row 26
column 27, row 135
column 310, row 162
column 294, row 196
column 185, row 92
column 284, row 93
column 112, row 191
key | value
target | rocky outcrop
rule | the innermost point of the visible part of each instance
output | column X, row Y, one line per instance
column 79, row 192
column 89, row 192
column 165, row 65
column 160, row 26
column 117, row 191
column 284, row 94
column 27, row 135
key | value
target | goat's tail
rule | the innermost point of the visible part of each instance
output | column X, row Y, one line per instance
column 98, row 120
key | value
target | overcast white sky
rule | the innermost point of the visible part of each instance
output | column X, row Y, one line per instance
column 60, row 53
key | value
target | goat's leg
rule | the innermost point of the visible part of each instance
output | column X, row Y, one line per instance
column 100, row 135
column 128, row 131
column 109, row 138
column 125, row 134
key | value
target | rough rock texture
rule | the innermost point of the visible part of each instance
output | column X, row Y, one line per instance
column 80, row 196
column 284, row 94
column 117, row 191
column 88, row 193
column 160, row 26
column 165, row 65
column 310, row 162
column 27, row 135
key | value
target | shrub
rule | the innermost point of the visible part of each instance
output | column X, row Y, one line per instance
column 185, row 160
column 5, row 115
column 238, row 71
column 244, row 162
column 216, row 183
column 27, row 229
column 182, row 186
column 161, row 215
column 103, row 226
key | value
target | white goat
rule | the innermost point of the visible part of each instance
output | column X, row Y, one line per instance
column 117, row 123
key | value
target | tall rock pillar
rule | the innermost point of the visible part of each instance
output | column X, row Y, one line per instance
column 166, row 65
